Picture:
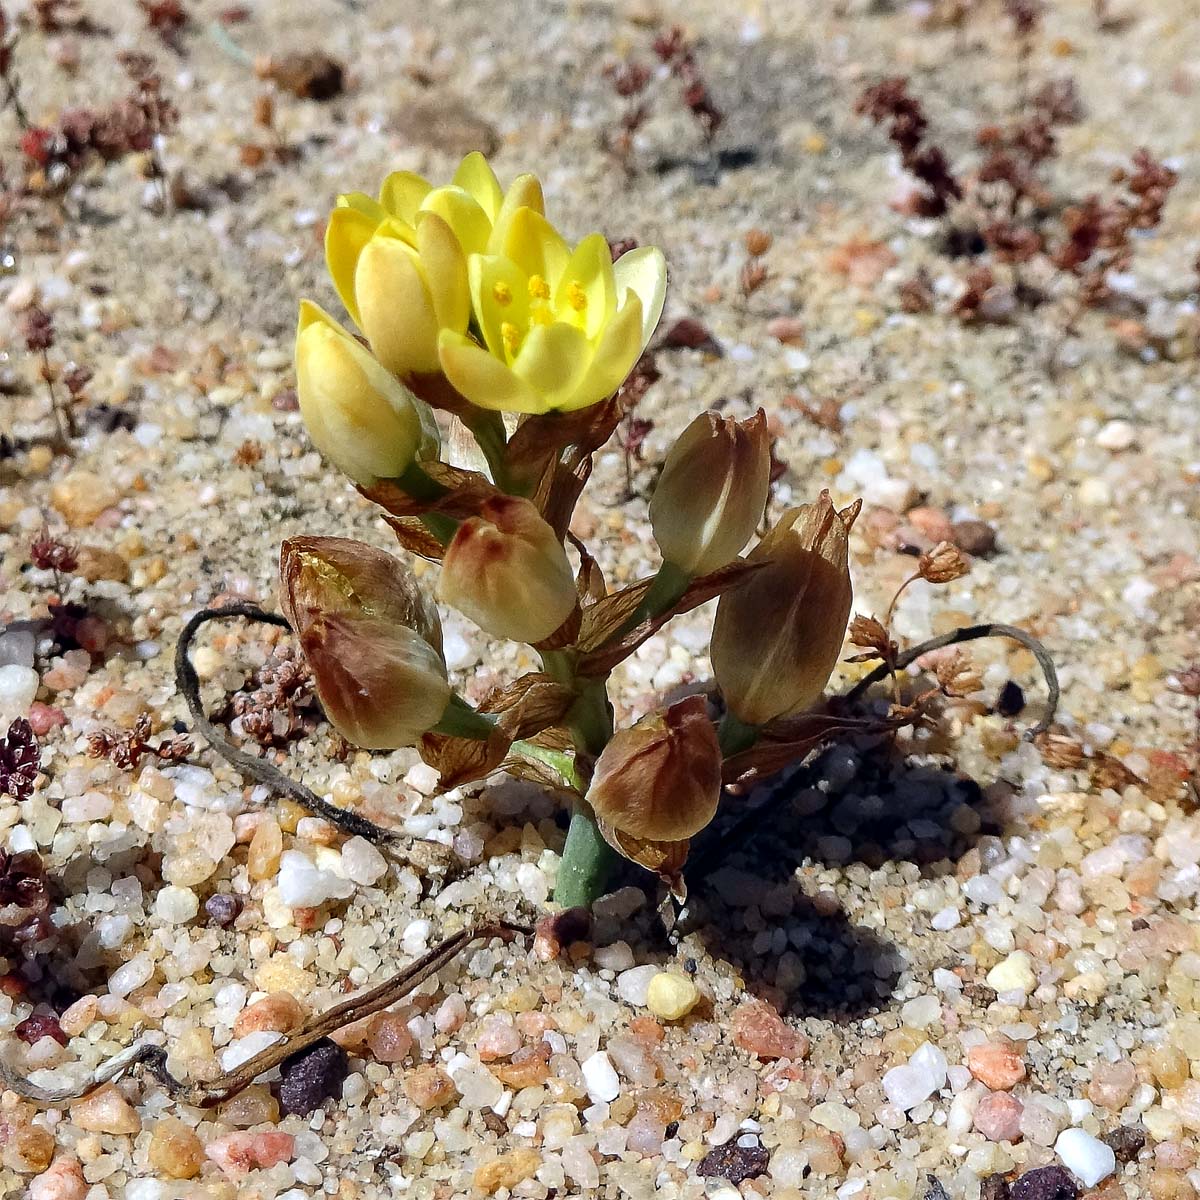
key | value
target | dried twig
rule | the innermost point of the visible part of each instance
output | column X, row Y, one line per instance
column 188, row 683
column 208, row 1093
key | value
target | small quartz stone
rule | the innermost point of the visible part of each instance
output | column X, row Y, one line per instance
column 266, row 849
column 280, row 1012
column 997, row 1065
column 62, row 1180
column 633, row 986
column 1126, row 1142
column 389, row 1038
column 1112, row 1084
column 508, row 1170
column 1013, row 974
column 302, row 885
column 1085, row 1156
column 998, row 1117
column 757, row 1027
column 311, row 1076
column 477, row 1086
column 106, row 1111
column 429, row 1087
column 912, row 1083
column 670, row 997
column 497, row 1038
column 176, row 905
column 600, row 1078
column 237, row 1154
column 175, row 1150
column 362, row 863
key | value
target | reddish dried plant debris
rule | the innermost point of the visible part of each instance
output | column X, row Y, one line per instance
column 38, row 1026
column 49, row 553
column 311, row 75
column 689, row 334
column 20, row 759
column 24, row 899
column 37, row 328
column 556, row 931
column 733, row 1162
column 757, row 1027
column 127, row 749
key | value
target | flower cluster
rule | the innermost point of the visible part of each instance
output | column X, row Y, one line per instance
column 470, row 302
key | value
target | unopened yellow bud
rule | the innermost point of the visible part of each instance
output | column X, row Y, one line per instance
column 371, row 637
column 777, row 634
column 358, row 415
column 660, row 780
column 712, row 491
column 507, row 570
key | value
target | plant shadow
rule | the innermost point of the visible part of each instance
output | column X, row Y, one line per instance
column 795, row 946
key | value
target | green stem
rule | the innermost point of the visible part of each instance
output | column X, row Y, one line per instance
column 561, row 762
column 587, row 860
column 419, row 486
column 461, row 720
column 488, row 431
column 663, row 593
column 734, row 735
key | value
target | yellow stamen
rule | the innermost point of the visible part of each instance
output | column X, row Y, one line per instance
column 502, row 293
column 539, row 289
column 577, row 297
column 511, row 336
column 541, row 315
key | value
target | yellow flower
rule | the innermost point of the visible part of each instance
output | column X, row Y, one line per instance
column 399, row 263
column 561, row 329
column 361, row 418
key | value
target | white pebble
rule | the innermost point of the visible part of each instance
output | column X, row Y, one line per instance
column 362, row 862
column 1013, row 974
column 243, row 1049
column 1085, row 1156
column 918, row 1079
column 130, row 976
column 302, row 885
column 18, row 687
column 91, row 806
column 634, row 985
column 176, row 905
column 1116, row 435
column 600, row 1078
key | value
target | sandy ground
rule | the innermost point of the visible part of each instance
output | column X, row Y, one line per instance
column 961, row 893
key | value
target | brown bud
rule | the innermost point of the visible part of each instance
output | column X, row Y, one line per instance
column 777, row 636
column 507, row 570
column 660, row 779
column 943, row 564
column 712, row 491
column 371, row 637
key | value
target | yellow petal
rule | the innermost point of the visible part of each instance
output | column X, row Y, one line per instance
column 524, row 192
column 586, row 295
column 618, row 349
column 363, row 203
column 348, row 231
column 643, row 271
column 483, row 378
column 500, row 296
column 445, row 269
column 395, row 306
column 401, row 194
column 358, row 415
column 553, row 360
column 476, row 177
column 535, row 245
column 461, row 211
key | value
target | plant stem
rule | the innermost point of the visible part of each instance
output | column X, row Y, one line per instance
column 587, row 859
column 461, row 720
column 668, row 585
column 735, row 735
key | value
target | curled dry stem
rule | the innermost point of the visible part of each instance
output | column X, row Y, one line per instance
column 188, row 683
column 211, row 1092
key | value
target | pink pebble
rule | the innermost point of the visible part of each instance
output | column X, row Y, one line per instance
column 451, row 1014
column 62, row 1180
column 998, row 1117
column 238, row 1154
column 497, row 1039
column 45, row 717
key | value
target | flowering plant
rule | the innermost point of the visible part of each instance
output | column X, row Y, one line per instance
column 473, row 306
